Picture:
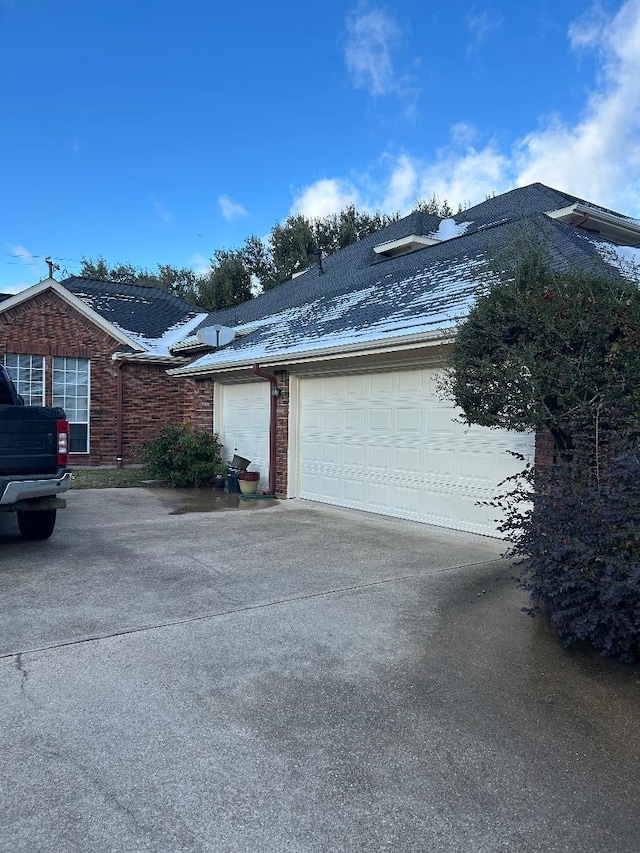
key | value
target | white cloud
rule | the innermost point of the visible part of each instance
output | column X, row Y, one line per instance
column 480, row 25
column 199, row 264
column 231, row 209
column 325, row 197
column 597, row 157
column 26, row 256
column 587, row 30
column 397, row 181
column 163, row 212
column 372, row 38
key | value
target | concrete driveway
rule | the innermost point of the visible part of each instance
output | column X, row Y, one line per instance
column 295, row 678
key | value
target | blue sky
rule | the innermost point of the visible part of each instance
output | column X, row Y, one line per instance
column 160, row 130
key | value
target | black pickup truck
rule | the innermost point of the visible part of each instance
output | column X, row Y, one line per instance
column 34, row 446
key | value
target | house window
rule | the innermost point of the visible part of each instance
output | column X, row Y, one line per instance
column 27, row 373
column 71, row 392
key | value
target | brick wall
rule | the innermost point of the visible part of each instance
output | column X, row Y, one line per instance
column 282, row 434
column 47, row 325
column 545, row 449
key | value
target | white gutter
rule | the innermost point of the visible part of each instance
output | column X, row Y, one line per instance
column 149, row 358
column 405, row 342
column 622, row 223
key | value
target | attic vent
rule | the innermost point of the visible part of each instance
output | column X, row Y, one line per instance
column 404, row 245
column 610, row 226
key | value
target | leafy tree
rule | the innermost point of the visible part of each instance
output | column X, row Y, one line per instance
column 182, row 282
column 257, row 260
column 292, row 246
column 559, row 351
column 546, row 349
column 228, row 283
column 435, row 207
column 338, row 230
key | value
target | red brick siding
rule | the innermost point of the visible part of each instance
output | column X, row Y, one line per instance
column 47, row 325
column 198, row 402
column 282, row 434
column 545, row 449
column 151, row 398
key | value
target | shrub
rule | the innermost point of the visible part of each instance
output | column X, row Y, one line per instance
column 185, row 456
column 578, row 544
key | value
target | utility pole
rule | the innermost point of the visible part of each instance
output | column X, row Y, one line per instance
column 51, row 266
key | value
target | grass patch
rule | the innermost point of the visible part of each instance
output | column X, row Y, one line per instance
column 108, row 478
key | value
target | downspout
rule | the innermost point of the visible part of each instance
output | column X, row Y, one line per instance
column 273, row 411
column 119, row 412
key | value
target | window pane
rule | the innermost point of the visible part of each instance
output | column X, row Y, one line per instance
column 27, row 372
column 70, row 386
column 78, row 435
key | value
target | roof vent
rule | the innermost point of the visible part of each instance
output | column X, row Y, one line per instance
column 404, row 245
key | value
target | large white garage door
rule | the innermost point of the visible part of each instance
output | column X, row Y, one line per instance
column 242, row 420
column 386, row 443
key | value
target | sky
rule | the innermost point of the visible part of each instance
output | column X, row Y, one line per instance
column 157, row 131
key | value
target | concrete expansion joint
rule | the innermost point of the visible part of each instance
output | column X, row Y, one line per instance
column 246, row 609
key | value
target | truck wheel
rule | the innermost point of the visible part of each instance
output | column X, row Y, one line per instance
column 37, row 524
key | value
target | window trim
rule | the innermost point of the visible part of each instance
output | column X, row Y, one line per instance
column 87, row 423
column 16, row 380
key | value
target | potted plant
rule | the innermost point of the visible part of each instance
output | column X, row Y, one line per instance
column 248, row 482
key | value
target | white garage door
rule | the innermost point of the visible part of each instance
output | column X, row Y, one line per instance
column 386, row 443
column 242, row 421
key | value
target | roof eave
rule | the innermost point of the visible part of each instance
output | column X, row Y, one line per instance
column 404, row 342
column 149, row 358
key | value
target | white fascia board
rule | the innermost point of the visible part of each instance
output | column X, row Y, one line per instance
column 78, row 304
column 404, row 342
column 149, row 358
column 562, row 212
column 416, row 241
column 621, row 223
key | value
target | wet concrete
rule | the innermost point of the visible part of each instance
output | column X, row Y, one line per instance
column 308, row 679
column 183, row 501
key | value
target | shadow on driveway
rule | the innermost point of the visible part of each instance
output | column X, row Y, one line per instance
column 302, row 679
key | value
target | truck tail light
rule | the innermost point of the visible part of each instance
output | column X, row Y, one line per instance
column 63, row 442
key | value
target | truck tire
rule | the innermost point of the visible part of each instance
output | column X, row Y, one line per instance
column 37, row 524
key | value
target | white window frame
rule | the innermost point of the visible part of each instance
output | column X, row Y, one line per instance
column 28, row 365
column 70, row 366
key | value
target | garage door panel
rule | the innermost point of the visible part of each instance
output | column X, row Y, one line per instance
column 355, row 386
column 356, row 419
column 380, row 419
column 245, row 425
column 409, row 420
column 381, row 383
column 408, row 460
column 386, row 443
column 331, row 453
column 380, row 458
column 440, row 420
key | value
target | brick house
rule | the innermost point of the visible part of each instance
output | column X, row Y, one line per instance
column 101, row 351
column 330, row 383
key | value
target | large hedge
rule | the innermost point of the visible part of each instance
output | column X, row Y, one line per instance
column 559, row 352
column 575, row 531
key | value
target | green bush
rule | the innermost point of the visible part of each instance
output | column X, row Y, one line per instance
column 184, row 455
column 574, row 528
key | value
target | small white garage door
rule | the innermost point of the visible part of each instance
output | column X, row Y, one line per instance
column 242, row 421
column 387, row 443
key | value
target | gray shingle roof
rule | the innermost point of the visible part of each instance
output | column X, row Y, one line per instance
column 364, row 297
column 146, row 314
